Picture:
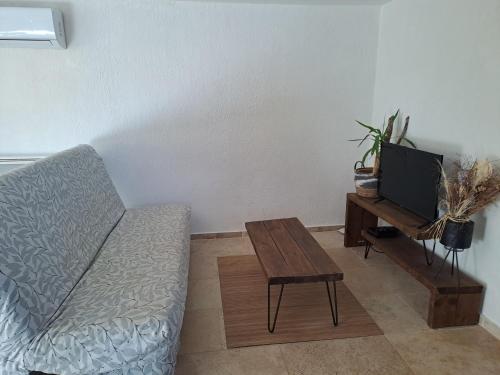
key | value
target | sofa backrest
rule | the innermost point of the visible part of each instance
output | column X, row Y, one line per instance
column 55, row 215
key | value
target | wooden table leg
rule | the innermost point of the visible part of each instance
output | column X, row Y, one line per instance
column 356, row 219
column 449, row 310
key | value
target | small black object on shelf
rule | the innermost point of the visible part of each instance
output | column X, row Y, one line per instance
column 456, row 238
column 383, row 232
column 379, row 232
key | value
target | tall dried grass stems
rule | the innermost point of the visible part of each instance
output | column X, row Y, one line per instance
column 467, row 188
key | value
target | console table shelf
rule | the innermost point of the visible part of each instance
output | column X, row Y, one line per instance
column 449, row 304
column 410, row 256
column 368, row 210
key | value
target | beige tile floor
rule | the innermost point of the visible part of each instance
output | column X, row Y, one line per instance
column 394, row 299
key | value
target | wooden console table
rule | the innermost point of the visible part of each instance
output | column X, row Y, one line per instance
column 449, row 305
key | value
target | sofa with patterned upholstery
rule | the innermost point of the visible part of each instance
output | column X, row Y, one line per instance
column 87, row 286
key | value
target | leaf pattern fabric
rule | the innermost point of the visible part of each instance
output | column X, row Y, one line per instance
column 85, row 286
column 127, row 311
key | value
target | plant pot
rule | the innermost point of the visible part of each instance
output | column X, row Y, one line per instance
column 366, row 183
column 457, row 235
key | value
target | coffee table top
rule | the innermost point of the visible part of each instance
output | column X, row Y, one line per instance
column 288, row 253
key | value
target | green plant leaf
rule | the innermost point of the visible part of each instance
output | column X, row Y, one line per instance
column 376, row 146
column 361, row 140
column 364, row 139
column 365, row 156
column 371, row 128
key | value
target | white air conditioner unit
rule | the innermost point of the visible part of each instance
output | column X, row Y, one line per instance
column 32, row 28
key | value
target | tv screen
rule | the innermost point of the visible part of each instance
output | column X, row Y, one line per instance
column 410, row 178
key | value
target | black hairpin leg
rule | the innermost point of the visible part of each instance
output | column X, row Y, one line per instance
column 271, row 329
column 431, row 260
column 334, row 311
column 454, row 263
column 368, row 247
column 442, row 264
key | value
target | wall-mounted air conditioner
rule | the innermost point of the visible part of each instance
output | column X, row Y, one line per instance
column 32, row 28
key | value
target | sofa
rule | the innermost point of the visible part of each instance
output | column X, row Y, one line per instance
column 87, row 286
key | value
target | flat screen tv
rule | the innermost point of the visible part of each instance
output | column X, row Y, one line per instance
column 410, row 178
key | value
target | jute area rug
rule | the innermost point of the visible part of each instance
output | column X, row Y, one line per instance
column 304, row 314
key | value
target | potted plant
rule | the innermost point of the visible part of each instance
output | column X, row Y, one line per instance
column 468, row 188
column 366, row 179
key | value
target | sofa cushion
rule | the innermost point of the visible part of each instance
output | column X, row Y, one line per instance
column 55, row 214
column 126, row 312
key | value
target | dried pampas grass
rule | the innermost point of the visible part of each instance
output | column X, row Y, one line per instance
column 469, row 187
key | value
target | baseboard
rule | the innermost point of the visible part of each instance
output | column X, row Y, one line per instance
column 212, row 236
column 325, row 228
column 490, row 326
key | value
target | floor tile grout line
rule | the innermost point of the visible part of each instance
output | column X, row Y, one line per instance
column 398, row 296
column 202, row 352
column 283, row 359
column 400, row 356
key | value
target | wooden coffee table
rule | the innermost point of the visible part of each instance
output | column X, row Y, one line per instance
column 288, row 254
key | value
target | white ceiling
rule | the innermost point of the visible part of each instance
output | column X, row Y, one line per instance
column 300, row 2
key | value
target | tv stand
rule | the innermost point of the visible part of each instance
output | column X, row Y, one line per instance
column 450, row 304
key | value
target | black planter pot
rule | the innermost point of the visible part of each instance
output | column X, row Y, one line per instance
column 457, row 235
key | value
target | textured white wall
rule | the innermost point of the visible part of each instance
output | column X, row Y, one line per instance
column 439, row 62
column 241, row 110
